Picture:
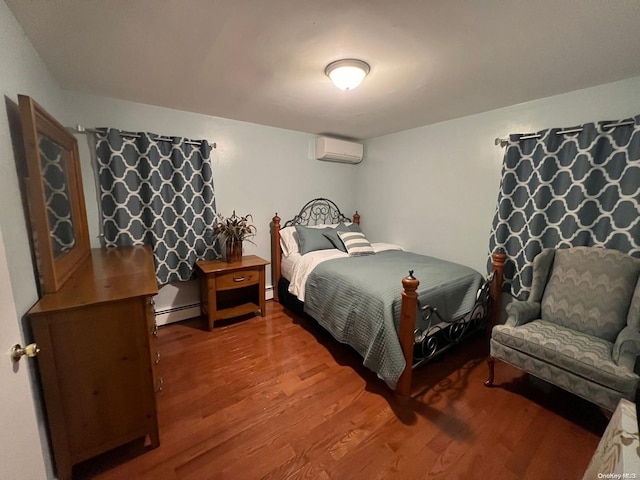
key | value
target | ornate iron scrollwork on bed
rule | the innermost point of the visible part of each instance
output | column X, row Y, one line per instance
column 318, row 211
column 440, row 333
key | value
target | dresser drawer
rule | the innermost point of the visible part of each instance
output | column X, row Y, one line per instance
column 237, row 279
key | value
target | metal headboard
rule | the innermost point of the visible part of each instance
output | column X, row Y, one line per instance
column 318, row 211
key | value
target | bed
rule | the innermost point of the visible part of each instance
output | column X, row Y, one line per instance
column 397, row 309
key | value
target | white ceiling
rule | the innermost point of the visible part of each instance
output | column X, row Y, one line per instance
column 263, row 61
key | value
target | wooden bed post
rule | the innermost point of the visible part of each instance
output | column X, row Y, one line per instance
column 276, row 255
column 356, row 218
column 497, row 262
column 407, row 326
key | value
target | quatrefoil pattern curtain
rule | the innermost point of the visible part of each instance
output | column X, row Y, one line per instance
column 159, row 193
column 568, row 189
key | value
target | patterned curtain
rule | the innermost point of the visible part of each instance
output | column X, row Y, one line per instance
column 159, row 192
column 563, row 188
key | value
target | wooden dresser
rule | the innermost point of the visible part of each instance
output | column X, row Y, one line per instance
column 98, row 355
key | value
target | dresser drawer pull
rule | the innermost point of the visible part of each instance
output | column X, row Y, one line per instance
column 239, row 279
column 160, row 384
column 157, row 357
column 154, row 332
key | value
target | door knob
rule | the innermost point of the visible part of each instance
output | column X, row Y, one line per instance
column 17, row 352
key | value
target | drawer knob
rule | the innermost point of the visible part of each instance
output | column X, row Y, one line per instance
column 154, row 332
column 17, row 351
column 157, row 357
column 160, row 384
column 239, row 279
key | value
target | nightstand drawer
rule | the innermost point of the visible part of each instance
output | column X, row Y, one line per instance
column 237, row 279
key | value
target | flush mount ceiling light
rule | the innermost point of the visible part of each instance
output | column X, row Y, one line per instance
column 347, row 74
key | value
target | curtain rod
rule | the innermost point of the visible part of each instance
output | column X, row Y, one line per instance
column 504, row 141
column 83, row 130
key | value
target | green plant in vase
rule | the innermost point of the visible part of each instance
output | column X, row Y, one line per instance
column 234, row 230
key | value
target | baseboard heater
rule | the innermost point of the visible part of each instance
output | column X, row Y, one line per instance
column 177, row 314
column 192, row 310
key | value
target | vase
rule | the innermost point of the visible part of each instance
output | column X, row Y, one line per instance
column 234, row 249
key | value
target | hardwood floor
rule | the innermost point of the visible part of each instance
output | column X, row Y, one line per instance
column 278, row 398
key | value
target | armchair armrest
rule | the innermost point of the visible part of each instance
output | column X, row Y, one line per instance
column 522, row 312
column 626, row 348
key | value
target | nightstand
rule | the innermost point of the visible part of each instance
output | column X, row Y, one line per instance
column 229, row 290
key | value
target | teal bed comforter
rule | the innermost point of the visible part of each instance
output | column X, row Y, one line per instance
column 358, row 300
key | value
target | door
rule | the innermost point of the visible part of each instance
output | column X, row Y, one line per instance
column 20, row 448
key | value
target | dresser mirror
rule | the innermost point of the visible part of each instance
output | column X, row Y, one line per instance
column 55, row 196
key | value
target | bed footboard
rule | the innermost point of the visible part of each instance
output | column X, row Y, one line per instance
column 420, row 346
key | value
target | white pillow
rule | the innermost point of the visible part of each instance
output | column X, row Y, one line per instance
column 383, row 247
column 289, row 241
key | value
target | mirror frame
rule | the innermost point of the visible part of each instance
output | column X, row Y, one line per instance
column 53, row 272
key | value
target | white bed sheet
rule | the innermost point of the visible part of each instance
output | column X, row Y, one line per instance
column 301, row 266
column 288, row 264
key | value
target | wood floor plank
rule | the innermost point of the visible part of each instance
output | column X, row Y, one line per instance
column 278, row 398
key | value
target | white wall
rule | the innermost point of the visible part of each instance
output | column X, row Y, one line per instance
column 21, row 72
column 257, row 169
column 434, row 189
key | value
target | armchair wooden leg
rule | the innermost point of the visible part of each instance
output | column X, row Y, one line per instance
column 491, row 363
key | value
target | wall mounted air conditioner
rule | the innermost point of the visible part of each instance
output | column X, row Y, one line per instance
column 333, row 150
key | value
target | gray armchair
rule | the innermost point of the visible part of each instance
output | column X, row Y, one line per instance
column 580, row 327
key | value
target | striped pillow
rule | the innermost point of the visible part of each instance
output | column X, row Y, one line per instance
column 356, row 243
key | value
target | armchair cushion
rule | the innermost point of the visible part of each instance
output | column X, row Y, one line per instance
column 541, row 270
column 590, row 290
column 522, row 312
column 587, row 356
column 627, row 347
